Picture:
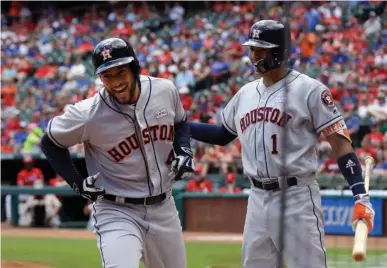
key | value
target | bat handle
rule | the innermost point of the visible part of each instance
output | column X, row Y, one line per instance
column 360, row 242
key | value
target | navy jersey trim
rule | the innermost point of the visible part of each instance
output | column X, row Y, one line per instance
column 153, row 146
column 255, row 129
column 227, row 126
column 333, row 119
column 52, row 137
column 117, row 111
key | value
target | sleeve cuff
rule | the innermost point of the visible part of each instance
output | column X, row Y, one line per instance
column 328, row 123
column 52, row 138
column 227, row 126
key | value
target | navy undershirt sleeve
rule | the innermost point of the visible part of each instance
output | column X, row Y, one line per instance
column 182, row 137
column 212, row 134
column 60, row 160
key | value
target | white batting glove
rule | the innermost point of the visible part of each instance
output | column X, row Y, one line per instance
column 363, row 210
column 89, row 190
column 182, row 167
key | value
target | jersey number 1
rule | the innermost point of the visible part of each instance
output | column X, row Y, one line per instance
column 274, row 144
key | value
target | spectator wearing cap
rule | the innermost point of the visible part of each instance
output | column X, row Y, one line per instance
column 20, row 136
column 29, row 174
column 199, row 183
column 33, row 139
column 57, row 181
column 352, row 121
column 379, row 108
column 330, row 165
column 308, row 46
column 220, row 69
column 380, row 163
column 185, row 77
column 7, row 146
column 346, row 99
column 13, row 123
column 312, row 18
column 230, row 187
column 372, row 29
column 375, row 136
column 366, row 149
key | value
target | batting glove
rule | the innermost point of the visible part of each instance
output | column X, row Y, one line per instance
column 182, row 166
column 363, row 211
column 88, row 189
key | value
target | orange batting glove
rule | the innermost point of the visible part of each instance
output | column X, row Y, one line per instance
column 363, row 211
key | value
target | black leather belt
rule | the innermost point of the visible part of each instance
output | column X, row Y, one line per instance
column 147, row 201
column 273, row 185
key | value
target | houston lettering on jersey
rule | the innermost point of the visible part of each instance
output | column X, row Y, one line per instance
column 129, row 144
column 266, row 114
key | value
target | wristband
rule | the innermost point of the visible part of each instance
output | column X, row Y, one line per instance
column 351, row 169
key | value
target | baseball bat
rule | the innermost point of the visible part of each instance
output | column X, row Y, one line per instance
column 359, row 251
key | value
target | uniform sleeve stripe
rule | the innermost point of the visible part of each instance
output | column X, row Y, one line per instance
column 227, row 126
column 49, row 134
column 327, row 123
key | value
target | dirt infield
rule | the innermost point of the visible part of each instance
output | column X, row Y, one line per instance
column 330, row 241
column 21, row 264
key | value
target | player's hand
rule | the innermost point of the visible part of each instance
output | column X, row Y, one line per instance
column 88, row 189
column 182, row 166
column 363, row 211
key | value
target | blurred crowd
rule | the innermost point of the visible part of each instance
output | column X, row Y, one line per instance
column 45, row 64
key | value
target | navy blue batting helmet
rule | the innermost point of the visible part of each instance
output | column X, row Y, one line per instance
column 274, row 36
column 113, row 52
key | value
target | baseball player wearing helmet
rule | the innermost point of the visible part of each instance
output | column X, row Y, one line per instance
column 256, row 115
column 134, row 150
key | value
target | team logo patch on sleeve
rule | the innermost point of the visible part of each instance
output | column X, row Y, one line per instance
column 327, row 99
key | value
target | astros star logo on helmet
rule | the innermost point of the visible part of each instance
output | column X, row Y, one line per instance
column 106, row 53
column 256, row 33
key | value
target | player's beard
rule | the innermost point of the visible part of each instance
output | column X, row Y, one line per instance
column 128, row 96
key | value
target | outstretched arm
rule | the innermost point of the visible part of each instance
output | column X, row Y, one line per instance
column 212, row 134
column 351, row 169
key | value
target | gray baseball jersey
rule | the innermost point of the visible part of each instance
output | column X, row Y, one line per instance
column 256, row 114
column 131, row 146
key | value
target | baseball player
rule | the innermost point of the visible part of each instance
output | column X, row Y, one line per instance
column 257, row 116
column 131, row 133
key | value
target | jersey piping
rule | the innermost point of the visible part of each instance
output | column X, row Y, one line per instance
column 151, row 138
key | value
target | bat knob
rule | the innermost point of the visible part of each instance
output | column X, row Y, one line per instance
column 369, row 160
column 358, row 257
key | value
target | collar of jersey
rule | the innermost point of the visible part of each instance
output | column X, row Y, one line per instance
column 289, row 77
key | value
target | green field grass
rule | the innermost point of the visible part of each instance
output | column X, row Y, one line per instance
column 65, row 253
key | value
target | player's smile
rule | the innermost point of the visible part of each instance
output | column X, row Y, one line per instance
column 121, row 93
column 120, row 82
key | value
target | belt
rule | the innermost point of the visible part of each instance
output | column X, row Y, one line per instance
column 146, row 201
column 273, row 185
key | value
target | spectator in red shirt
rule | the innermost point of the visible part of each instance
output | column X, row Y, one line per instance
column 230, row 186
column 330, row 165
column 30, row 174
column 199, row 183
column 57, row 181
column 375, row 137
column 14, row 123
column 366, row 150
